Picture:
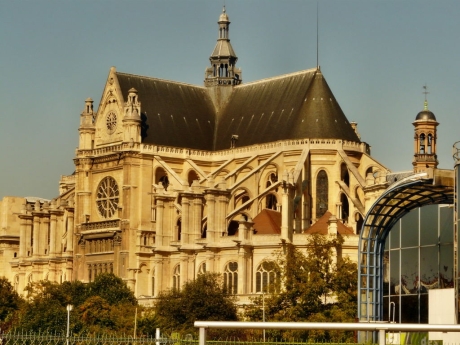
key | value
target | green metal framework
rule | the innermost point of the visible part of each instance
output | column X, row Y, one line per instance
column 434, row 187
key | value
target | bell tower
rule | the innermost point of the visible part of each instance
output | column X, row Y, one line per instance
column 222, row 75
column 425, row 124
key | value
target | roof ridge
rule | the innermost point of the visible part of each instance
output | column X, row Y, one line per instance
column 160, row 79
column 277, row 77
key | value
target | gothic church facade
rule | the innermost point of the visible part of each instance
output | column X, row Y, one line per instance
column 173, row 179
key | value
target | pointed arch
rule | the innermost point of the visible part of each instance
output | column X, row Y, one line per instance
column 192, row 176
column 230, row 276
column 345, row 208
column 344, row 174
column 176, row 277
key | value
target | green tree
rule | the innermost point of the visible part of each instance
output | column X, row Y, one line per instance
column 201, row 299
column 10, row 303
column 111, row 288
column 316, row 285
column 45, row 309
column 106, row 305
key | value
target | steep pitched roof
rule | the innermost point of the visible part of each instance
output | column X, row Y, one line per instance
column 173, row 114
column 267, row 222
column 293, row 106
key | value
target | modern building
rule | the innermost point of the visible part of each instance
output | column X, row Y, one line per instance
column 173, row 179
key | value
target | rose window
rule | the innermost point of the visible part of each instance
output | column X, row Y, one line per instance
column 107, row 197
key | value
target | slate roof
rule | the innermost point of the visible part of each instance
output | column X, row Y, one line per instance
column 173, row 114
column 293, row 106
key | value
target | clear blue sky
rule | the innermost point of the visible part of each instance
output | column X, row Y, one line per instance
column 375, row 55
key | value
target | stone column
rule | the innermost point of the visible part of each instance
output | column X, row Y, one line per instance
column 185, row 221
column 52, row 239
column 197, row 216
column 158, row 274
column 36, row 236
column 70, row 230
column 23, row 236
column 45, row 227
column 285, row 211
column 159, row 222
column 211, row 226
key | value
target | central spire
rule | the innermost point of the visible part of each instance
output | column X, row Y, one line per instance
column 223, row 58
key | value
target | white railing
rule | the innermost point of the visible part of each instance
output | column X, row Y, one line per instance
column 380, row 327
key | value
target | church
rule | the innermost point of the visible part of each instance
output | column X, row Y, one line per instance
column 172, row 180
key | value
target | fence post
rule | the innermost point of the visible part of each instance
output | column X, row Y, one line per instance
column 202, row 335
column 382, row 337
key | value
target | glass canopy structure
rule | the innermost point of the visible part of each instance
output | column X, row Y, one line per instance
column 435, row 186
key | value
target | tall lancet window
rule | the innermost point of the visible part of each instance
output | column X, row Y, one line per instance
column 322, row 194
column 422, row 143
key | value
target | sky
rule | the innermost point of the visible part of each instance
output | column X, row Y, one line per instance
column 376, row 56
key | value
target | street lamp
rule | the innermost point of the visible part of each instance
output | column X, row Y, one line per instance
column 69, row 308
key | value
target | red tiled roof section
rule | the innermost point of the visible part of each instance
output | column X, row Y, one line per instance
column 268, row 222
column 321, row 226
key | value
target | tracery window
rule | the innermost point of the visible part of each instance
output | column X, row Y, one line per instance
column 231, row 278
column 322, row 195
column 176, row 277
column 107, row 197
column 266, row 277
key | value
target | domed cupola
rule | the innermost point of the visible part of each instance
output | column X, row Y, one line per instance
column 425, row 124
column 425, row 114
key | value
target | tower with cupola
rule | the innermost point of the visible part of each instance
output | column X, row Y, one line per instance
column 223, row 74
column 425, row 137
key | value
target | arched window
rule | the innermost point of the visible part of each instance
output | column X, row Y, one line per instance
column 232, row 229
column 359, row 223
column 204, row 231
column 271, row 202
column 161, row 176
column 430, row 144
column 266, row 277
column 16, row 283
column 422, row 143
column 176, row 277
column 345, row 207
column 322, row 193
column 241, row 196
column 202, row 268
column 344, row 175
column 231, row 278
column 192, row 176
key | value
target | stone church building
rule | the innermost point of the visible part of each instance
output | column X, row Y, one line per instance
column 173, row 179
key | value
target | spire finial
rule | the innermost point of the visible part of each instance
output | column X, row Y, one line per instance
column 425, row 91
column 317, row 35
